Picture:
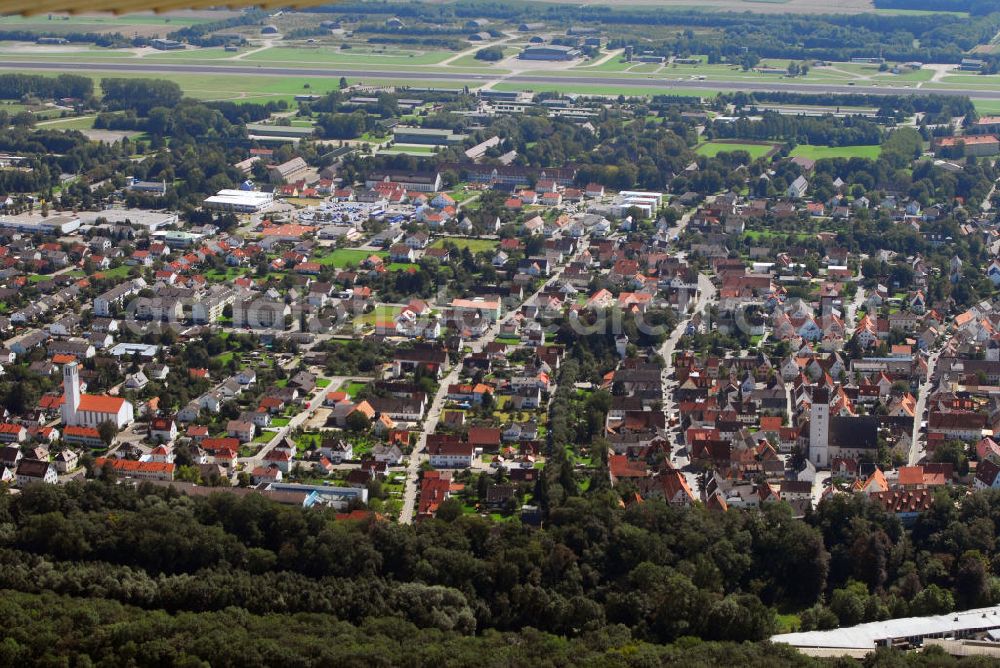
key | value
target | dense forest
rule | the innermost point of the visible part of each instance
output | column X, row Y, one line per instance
column 89, row 631
column 937, row 108
column 16, row 86
column 199, row 34
column 830, row 131
column 103, row 553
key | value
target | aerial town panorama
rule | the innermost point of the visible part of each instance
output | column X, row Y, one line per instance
column 470, row 333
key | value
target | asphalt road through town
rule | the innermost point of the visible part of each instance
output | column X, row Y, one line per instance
column 478, row 79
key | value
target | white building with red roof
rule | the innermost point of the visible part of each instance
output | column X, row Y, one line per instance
column 90, row 410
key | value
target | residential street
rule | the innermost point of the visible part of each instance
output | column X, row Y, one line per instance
column 916, row 444
column 313, row 401
column 419, row 454
column 706, row 296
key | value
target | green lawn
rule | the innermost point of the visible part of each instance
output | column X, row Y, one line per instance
column 789, row 623
column 615, row 64
column 308, row 56
column 761, row 235
column 713, row 148
column 280, row 422
column 380, row 312
column 353, row 388
column 372, row 138
column 38, row 278
column 821, row 152
column 73, row 123
column 987, row 107
column 229, row 274
column 118, row 272
column 409, row 149
column 474, row 245
column 471, row 61
column 913, row 75
column 323, row 382
column 262, row 86
column 344, row 257
column 96, row 23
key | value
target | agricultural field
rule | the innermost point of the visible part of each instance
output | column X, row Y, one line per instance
column 821, row 152
column 757, row 6
column 145, row 24
column 712, row 148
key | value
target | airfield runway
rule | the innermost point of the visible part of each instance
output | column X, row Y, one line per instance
column 481, row 79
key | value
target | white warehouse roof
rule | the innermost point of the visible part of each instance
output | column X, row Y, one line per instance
column 873, row 634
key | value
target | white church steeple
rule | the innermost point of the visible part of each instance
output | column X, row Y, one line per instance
column 71, row 392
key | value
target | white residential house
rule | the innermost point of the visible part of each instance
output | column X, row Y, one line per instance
column 136, row 381
column 390, row 454
column 452, row 455
column 798, row 188
column 35, row 470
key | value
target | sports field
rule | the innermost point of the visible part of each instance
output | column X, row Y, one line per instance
column 821, row 152
column 713, row 148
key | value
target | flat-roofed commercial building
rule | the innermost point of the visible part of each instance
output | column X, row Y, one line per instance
column 906, row 632
column 430, row 136
column 35, row 223
column 136, row 218
column 239, row 201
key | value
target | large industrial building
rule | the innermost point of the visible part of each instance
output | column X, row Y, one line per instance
column 427, row 136
column 550, row 52
column 140, row 219
column 36, row 223
column 239, row 201
column 903, row 633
